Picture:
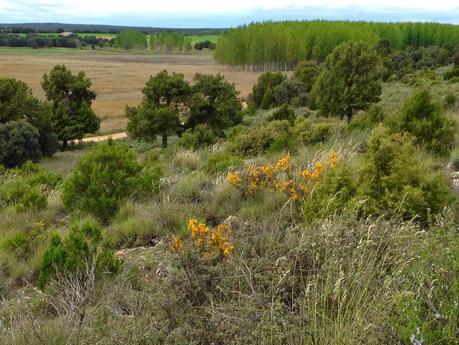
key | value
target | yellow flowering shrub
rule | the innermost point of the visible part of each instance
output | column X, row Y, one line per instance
column 207, row 240
column 281, row 176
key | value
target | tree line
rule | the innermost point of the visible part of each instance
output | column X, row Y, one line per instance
column 162, row 42
column 280, row 45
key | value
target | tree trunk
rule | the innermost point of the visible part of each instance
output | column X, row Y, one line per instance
column 164, row 143
column 64, row 144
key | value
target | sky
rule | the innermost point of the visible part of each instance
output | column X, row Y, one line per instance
column 228, row 13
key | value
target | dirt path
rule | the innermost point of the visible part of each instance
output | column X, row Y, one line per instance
column 114, row 136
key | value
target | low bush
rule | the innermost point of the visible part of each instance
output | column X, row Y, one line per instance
column 197, row 137
column 27, row 187
column 426, row 121
column 220, row 161
column 285, row 112
column 80, row 250
column 393, row 183
column 317, row 132
column 331, row 195
column 274, row 136
column 102, row 179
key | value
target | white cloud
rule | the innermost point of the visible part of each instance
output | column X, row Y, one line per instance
column 97, row 8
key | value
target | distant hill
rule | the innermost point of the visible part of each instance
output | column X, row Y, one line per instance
column 53, row 27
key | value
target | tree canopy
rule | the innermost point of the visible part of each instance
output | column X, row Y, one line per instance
column 71, row 97
column 349, row 80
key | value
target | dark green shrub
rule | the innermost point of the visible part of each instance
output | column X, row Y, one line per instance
column 19, row 142
column 219, row 162
column 267, row 80
column 197, row 137
column 101, row 180
column 427, row 122
column 289, row 90
column 331, row 195
column 82, row 249
column 285, row 112
column 392, row 182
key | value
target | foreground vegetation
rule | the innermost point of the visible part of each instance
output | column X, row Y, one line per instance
column 302, row 219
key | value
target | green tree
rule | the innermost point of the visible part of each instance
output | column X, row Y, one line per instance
column 71, row 97
column 19, row 142
column 131, row 40
column 215, row 103
column 147, row 122
column 17, row 103
column 101, row 180
column 164, row 97
column 349, row 81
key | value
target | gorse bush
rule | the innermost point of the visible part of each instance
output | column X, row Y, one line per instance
column 80, row 250
column 393, row 183
column 101, row 180
column 426, row 121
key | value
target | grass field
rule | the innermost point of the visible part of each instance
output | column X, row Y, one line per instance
column 117, row 76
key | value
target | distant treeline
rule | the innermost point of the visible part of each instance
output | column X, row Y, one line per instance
column 163, row 42
column 37, row 41
column 49, row 41
column 280, row 45
column 91, row 28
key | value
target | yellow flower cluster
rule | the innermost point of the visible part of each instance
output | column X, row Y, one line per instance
column 207, row 240
column 177, row 245
column 315, row 174
column 279, row 177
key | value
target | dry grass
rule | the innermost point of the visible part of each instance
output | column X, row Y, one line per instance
column 117, row 78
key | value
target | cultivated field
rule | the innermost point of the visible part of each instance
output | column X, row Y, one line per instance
column 117, row 77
